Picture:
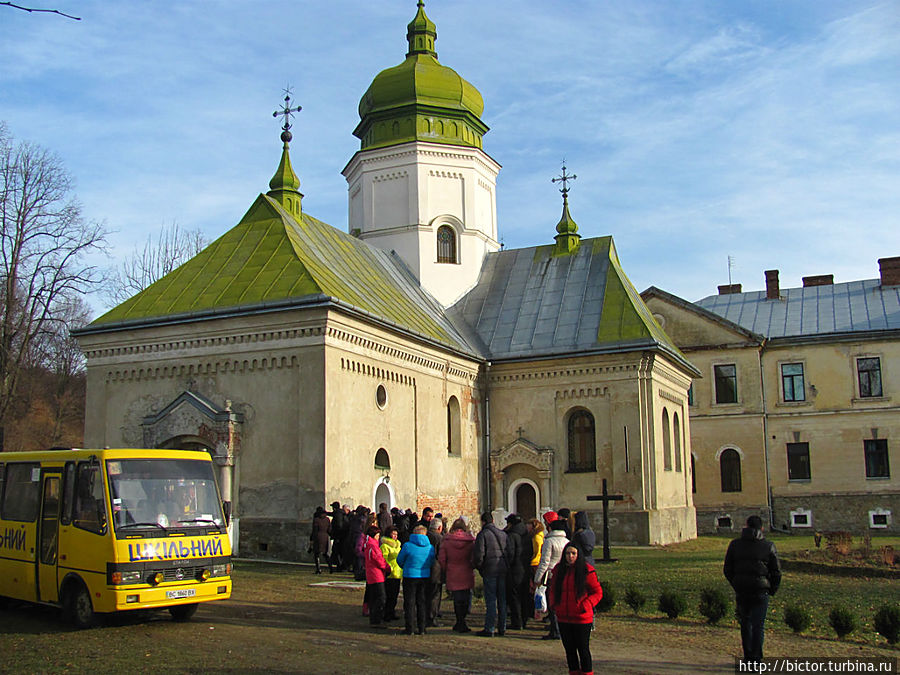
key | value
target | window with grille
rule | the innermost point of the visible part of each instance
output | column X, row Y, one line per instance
column 582, row 454
column 869, row 373
column 446, row 244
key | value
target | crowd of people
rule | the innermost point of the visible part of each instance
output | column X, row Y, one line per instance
column 394, row 549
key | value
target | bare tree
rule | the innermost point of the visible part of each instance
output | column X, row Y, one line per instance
column 45, row 246
column 172, row 246
column 34, row 9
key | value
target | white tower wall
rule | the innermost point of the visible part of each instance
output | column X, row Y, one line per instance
column 400, row 195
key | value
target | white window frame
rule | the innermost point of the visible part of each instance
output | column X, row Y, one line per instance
column 801, row 512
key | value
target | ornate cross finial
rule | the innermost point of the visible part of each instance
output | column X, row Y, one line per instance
column 565, row 178
column 287, row 112
column 520, row 431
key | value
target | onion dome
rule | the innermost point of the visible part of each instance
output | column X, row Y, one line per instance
column 420, row 99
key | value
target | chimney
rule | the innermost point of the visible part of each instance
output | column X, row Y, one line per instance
column 890, row 271
column 772, row 290
column 819, row 280
column 728, row 289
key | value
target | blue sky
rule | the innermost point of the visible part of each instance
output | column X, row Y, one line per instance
column 765, row 130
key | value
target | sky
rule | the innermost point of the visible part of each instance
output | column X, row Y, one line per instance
column 761, row 130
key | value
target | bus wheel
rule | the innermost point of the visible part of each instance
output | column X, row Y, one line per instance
column 78, row 607
column 183, row 612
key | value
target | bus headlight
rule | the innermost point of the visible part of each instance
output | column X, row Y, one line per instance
column 132, row 577
column 204, row 574
column 221, row 570
column 157, row 578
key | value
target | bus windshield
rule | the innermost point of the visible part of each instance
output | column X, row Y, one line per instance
column 163, row 494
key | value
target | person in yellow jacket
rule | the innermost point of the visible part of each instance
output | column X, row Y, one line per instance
column 390, row 548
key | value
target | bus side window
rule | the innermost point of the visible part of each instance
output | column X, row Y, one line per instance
column 22, row 492
column 68, row 500
column 90, row 510
column 2, row 480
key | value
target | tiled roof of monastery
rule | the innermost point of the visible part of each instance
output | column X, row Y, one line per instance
column 530, row 302
column 270, row 261
column 852, row 306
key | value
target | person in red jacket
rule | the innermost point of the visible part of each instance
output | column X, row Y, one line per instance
column 377, row 571
column 574, row 591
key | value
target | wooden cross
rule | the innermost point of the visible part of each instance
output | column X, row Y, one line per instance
column 565, row 178
column 287, row 112
column 606, row 498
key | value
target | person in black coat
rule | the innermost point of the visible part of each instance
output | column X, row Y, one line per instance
column 584, row 537
column 518, row 580
column 754, row 572
column 338, row 532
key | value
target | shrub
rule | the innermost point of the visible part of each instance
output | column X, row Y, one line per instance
column 887, row 622
column 608, row 601
column 842, row 620
column 671, row 604
column 713, row 604
column 635, row 599
column 797, row 618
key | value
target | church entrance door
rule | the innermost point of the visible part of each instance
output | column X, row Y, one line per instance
column 382, row 494
column 526, row 501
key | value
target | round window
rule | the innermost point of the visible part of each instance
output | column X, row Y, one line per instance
column 381, row 396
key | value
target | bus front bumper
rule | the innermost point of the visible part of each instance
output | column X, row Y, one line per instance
column 143, row 597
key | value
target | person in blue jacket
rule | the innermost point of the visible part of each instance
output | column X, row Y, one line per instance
column 416, row 557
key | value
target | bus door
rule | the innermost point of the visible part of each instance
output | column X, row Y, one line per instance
column 48, row 540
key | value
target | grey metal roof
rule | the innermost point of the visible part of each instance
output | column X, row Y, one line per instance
column 529, row 302
column 853, row 306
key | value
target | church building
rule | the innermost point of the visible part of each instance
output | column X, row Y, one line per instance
column 410, row 359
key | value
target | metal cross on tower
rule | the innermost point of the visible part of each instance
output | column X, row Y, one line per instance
column 287, row 112
column 565, row 178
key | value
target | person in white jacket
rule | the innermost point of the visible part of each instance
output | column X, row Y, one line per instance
column 551, row 554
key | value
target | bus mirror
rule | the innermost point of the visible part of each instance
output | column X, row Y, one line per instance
column 226, row 508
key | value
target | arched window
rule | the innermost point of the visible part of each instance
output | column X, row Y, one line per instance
column 730, row 470
column 667, row 441
column 676, row 432
column 382, row 461
column 582, row 444
column 454, row 441
column 446, row 244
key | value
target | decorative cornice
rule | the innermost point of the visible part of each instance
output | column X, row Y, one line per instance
column 674, row 398
column 210, row 367
column 582, row 392
column 563, row 372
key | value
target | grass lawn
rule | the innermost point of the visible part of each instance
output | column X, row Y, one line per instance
column 687, row 568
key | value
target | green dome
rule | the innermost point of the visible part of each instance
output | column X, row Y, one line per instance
column 420, row 99
column 420, row 79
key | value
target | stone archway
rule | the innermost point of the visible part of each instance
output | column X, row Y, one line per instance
column 519, row 455
column 383, row 492
column 193, row 422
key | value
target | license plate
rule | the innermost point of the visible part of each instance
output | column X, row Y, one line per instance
column 181, row 593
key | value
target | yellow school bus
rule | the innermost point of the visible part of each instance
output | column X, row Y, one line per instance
column 96, row 531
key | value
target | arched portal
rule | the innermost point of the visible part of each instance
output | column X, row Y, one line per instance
column 524, row 498
column 383, row 492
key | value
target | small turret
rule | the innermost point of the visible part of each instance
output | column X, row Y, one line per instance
column 421, row 33
column 567, row 239
column 284, row 186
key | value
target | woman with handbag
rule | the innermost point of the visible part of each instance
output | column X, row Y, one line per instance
column 551, row 554
column 574, row 592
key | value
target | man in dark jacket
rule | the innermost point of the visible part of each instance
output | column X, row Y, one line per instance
column 753, row 570
column 584, row 537
column 338, row 532
column 517, row 581
column 490, row 559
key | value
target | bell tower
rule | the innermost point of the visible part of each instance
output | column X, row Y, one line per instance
column 420, row 184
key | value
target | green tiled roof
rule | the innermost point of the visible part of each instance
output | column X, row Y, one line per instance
column 269, row 258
